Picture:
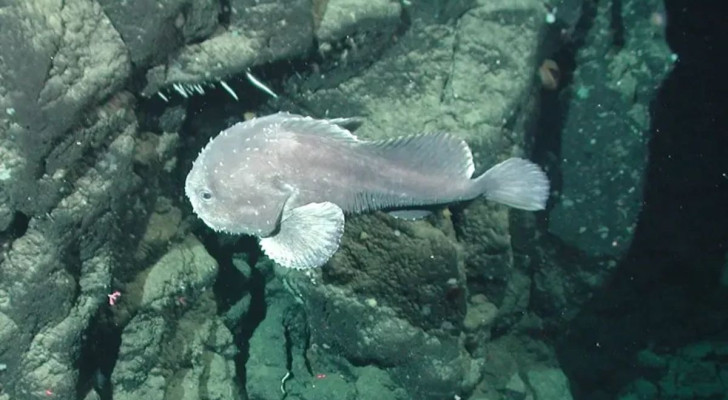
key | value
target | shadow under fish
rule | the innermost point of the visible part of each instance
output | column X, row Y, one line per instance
column 289, row 180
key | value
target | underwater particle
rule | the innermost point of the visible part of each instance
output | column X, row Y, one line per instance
column 658, row 19
column 582, row 92
column 550, row 74
column 551, row 16
column 550, row 13
column 179, row 22
column 446, row 213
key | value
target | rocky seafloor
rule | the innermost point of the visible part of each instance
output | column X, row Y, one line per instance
column 110, row 288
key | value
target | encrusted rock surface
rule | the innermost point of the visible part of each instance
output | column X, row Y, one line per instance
column 92, row 165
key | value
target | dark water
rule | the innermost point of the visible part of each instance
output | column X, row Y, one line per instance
column 666, row 293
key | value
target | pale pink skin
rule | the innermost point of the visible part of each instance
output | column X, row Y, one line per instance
column 255, row 168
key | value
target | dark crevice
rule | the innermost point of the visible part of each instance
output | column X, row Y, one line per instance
column 231, row 286
column 99, row 352
column 224, row 17
column 554, row 106
column 19, row 225
column 666, row 292
column 256, row 314
column 617, row 25
column 289, row 356
column 17, row 229
column 306, row 347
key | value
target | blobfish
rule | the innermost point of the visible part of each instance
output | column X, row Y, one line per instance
column 290, row 180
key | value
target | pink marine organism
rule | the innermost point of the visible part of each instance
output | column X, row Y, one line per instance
column 113, row 297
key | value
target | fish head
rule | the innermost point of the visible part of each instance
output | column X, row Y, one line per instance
column 209, row 199
column 233, row 190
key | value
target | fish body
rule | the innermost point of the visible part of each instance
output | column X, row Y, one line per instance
column 289, row 180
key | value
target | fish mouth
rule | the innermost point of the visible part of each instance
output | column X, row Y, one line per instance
column 218, row 224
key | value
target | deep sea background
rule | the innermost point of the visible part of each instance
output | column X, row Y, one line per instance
column 666, row 291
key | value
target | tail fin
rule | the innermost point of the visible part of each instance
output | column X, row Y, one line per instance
column 517, row 183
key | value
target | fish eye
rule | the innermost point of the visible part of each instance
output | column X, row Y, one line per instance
column 206, row 195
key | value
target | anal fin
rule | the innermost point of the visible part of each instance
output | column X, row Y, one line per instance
column 410, row 214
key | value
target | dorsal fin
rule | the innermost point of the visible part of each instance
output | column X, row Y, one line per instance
column 310, row 126
column 439, row 153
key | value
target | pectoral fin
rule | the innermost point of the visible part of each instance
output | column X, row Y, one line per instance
column 308, row 236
